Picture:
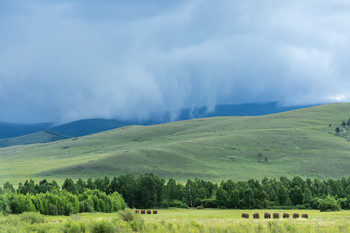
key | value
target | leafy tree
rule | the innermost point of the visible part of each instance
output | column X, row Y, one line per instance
column 260, row 197
column 127, row 186
column 343, row 124
column 296, row 195
column 90, row 184
column 69, row 186
column 234, row 200
column 150, row 188
column 328, row 204
column 222, row 198
column 337, row 130
column 190, row 192
column 307, row 197
column 9, row 187
column 248, row 199
column 80, row 186
column 173, row 191
column 4, row 205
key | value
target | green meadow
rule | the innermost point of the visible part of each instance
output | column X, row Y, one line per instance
column 182, row 220
column 298, row 142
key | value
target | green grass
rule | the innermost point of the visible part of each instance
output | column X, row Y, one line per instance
column 298, row 142
column 191, row 220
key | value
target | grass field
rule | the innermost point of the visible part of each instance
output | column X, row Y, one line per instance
column 211, row 220
column 298, row 142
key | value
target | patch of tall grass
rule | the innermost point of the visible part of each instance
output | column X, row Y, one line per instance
column 128, row 221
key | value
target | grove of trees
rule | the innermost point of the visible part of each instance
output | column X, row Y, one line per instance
column 151, row 191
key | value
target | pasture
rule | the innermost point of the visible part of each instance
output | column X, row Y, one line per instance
column 192, row 220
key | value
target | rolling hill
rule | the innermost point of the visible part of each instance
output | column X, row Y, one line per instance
column 88, row 126
column 91, row 126
column 38, row 137
column 298, row 142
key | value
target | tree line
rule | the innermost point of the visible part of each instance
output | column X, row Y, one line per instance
column 49, row 199
column 151, row 191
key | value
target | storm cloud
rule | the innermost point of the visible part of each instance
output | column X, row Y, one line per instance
column 67, row 60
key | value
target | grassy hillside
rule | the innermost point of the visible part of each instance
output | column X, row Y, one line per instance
column 298, row 142
column 39, row 137
column 88, row 126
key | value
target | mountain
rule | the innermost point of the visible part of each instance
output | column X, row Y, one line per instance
column 38, row 137
column 8, row 130
column 298, row 142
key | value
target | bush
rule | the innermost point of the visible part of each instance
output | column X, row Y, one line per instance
column 300, row 207
column 75, row 227
column 209, row 203
column 127, row 215
column 138, row 224
column 281, row 207
column 31, row 217
column 164, row 204
column 328, row 204
column 177, row 204
column 103, row 227
column 4, row 205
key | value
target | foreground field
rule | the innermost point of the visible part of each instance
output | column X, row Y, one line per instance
column 181, row 220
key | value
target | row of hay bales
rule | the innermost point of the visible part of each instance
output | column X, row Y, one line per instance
column 146, row 211
column 275, row 215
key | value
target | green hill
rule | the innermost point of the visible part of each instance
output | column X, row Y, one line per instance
column 88, row 126
column 298, row 142
column 38, row 137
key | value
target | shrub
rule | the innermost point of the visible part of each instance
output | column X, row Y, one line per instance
column 209, row 203
column 138, row 224
column 178, row 204
column 328, row 204
column 75, row 227
column 300, row 207
column 164, row 204
column 127, row 215
column 103, row 227
column 32, row 217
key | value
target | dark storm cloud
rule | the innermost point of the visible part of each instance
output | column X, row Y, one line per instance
column 66, row 60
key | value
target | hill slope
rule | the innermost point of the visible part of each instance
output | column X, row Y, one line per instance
column 298, row 142
column 91, row 126
column 38, row 137
column 88, row 126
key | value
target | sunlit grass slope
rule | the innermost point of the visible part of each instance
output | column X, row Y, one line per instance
column 298, row 142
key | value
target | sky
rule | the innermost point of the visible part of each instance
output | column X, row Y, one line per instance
column 68, row 60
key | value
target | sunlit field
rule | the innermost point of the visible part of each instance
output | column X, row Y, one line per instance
column 183, row 220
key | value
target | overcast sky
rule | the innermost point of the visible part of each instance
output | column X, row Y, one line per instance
column 67, row 60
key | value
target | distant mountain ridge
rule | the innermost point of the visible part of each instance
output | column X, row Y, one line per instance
column 8, row 130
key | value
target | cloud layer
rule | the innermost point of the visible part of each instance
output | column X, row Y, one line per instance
column 67, row 60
